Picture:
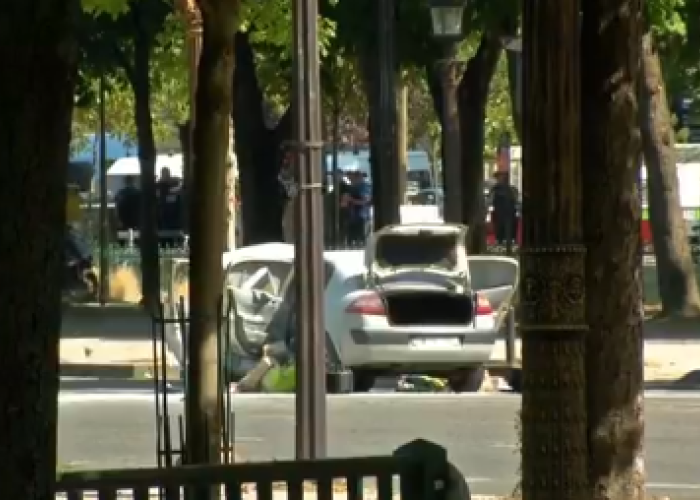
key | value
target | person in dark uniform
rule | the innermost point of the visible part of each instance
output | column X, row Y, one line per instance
column 170, row 209
column 128, row 204
column 504, row 200
column 343, row 200
column 360, row 209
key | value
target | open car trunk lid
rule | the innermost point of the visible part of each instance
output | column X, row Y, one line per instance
column 402, row 250
column 422, row 273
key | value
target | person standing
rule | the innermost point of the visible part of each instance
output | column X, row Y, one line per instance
column 170, row 209
column 504, row 200
column 343, row 200
column 128, row 204
column 360, row 201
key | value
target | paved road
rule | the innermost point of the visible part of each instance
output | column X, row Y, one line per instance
column 117, row 430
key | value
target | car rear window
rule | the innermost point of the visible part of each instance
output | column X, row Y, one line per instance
column 396, row 250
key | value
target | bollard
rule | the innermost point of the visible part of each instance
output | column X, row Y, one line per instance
column 510, row 336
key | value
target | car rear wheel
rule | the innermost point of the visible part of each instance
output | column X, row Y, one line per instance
column 363, row 381
column 467, row 380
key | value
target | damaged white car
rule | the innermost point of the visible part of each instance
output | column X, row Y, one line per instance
column 411, row 302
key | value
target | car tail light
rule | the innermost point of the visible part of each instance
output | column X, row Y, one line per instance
column 368, row 304
column 483, row 306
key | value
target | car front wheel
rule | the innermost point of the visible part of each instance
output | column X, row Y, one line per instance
column 467, row 380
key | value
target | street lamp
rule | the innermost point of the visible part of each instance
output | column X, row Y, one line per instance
column 447, row 17
column 447, row 25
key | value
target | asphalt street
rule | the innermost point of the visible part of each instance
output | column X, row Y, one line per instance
column 117, row 429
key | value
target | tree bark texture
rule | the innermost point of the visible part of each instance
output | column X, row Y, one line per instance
column 259, row 152
column 36, row 102
column 207, row 216
column 148, row 240
column 610, row 164
column 473, row 96
column 552, row 296
column 678, row 285
column 384, row 167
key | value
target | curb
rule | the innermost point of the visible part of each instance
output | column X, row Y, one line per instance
column 115, row 371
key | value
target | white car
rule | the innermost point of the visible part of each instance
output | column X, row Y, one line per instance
column 411, row 302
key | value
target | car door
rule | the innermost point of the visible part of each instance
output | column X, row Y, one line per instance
column 496, row 278
column 256, row 288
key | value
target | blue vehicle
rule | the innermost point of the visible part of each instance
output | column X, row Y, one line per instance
column 419, row 175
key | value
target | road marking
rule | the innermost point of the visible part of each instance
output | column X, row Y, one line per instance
column 673, row 486
column 508, row 446
column 104, row 397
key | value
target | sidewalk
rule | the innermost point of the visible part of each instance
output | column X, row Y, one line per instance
column 132, row 359
column 663, row 361
column 122, row 359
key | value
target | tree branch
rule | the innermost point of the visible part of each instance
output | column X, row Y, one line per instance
column 124, row 62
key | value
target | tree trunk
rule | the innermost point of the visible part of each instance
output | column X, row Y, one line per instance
column 207, row 214
column 384, row 181
column 35, row 123
column 610, row 155
column 259, row 152
column 678, row 286
column 148, row 237
column 552, row 300
column 473, row 96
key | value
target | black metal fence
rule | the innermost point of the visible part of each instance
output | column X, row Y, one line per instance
column 170, row 328
column 421, row 467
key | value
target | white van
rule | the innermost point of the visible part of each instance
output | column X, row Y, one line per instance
column 130, row 166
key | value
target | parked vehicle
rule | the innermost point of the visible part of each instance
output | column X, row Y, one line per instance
column 412, row 302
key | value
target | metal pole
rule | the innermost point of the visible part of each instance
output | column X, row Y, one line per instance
column 309, row 268
column 104, row 222
column 387, row 208
column 451, row 165
column 335, row 241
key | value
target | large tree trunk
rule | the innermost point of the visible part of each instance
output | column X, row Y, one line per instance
column 552, row 300
column 207, row 216
column 36, row 101
column 382, row 128
column 259, row 152
column 473, row 96
column 678, row 286
column 148, row 240
column 610, row 155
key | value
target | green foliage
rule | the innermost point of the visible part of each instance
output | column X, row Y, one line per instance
column 499, row 115
column 108, row 32
column 666, row 17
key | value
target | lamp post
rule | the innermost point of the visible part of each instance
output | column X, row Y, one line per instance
column 309, row 269
column 446, row 17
